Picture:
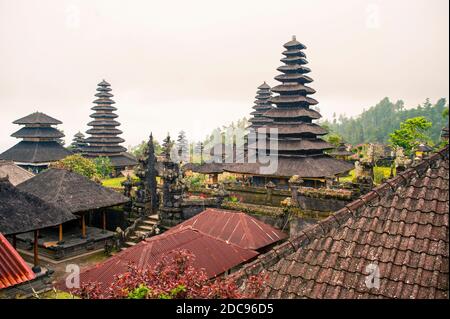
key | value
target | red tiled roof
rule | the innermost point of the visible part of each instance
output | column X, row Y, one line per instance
column 234, row 227
column 213, row 255
column 400, row 227
column 13, row 269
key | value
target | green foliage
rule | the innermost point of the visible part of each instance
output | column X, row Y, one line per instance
column 140, row 292
column 333, row 138
column 103, row 166
column 78, row 164
column 174, row 292
column 412, row 132
column 196, row 180
column 139, row 150
column 375, row 124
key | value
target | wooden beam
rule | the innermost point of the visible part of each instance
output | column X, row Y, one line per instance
column 83, row 226
column 60, row 233
column 104, row 219
column 36, row 249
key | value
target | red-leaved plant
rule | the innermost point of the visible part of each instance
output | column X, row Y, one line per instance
column 174, row 277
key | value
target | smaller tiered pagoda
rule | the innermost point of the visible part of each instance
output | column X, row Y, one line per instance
column 39, row 146
column 78, row 143
column 104, row 140
column 262, row 105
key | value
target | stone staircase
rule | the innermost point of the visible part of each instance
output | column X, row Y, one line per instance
column 144, row 229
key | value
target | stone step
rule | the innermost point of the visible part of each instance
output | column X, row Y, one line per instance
column 130, row 243
column 154, row 217
column 141, row 233
column 150, row 222
column 133, row 238
column 146, row 228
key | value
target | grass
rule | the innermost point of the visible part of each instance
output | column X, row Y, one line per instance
column 113, row 182
column 56, row 294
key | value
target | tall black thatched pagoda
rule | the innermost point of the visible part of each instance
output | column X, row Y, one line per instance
column 300, row 150
column 104, row 140
column 262, row 105
column 39, row 146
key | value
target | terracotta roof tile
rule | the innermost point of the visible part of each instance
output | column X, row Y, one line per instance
column 401, row 227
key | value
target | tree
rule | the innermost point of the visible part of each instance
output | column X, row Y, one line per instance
column 151, row 173
column 174, row 277
column 412, row 132
column 334, row 139
column 103, row 166
column 139, row 150
column 78, row 164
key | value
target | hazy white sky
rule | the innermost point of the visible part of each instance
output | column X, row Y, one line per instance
column 195, row 65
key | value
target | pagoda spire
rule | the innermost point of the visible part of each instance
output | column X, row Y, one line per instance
column 262, row 105
column 298, row 136
column 104, row 137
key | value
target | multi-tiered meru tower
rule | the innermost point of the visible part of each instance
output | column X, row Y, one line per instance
column 299, row 149
column 104, row 137
column 39, row 146
column 262, row 105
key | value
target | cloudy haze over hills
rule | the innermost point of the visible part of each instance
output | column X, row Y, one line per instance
column 195, row 65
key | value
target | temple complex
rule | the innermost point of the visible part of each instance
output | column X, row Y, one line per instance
column 262, row 105
column 39, row 146
column 300, row 150
column 104, row 137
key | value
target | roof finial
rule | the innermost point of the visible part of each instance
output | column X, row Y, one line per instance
column 294, row 38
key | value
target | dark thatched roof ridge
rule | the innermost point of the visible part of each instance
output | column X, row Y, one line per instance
column 71, row 191
column 415, row 195
column 21, row 212
column 37, row 118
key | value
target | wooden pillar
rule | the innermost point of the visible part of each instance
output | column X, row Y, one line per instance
column 104, row 220
column 14, row 241
column 83, row 226
column 60, row 233
column 36, row 250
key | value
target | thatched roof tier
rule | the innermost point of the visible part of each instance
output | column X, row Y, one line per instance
column 292, row 113
column 319, row 166
column 104, row 140
column 293, row 99
column 104, row 95
column 34, row 153
column 106, row 149
column 294, row 68
column 22, row 212
column 104, row 107
column 294, row 59
column 301, row 144
column 37, row 118
column 104, row 101
column 294, row 44
column 295, row 77
column 14, row 173
column 105, row 115
column 104, row 131
column 103, row 121
column 71, row 191
column 341, row 150
column 38, row 132
column 295, row 128
column 292, row 88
